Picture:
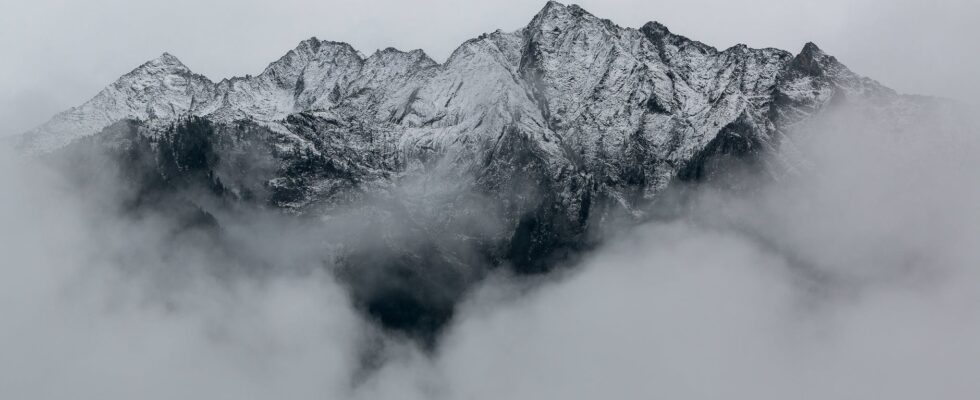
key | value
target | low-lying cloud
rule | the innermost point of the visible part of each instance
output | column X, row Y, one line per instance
column 856, row 278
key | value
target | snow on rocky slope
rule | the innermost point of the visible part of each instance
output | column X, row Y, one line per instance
column 601, row 109
column 591, row 115
column 561, row 125
column 569, row 80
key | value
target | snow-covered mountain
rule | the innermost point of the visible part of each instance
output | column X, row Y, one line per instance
column 554, row 128
column 567, row 74
column 579, row 87
column 571, row 100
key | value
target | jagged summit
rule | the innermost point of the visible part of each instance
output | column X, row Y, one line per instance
column 167, row 59
column 814, row 61
column 164, row 63
column 550, row 6
column 561, row 126
column 655, row 28
column 812, row 53
column 554, row 8
column 659, row 33
column 557, row 16
column 566, row 68
column 811, row 50
column 816, row 64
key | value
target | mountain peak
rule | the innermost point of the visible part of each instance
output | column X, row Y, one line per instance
column 551, row 9
column 167, row 59
column 552, row 5
column 554, row 11
column 660, row 35
column 811, row 50
column 311, row 45
column 565, row 55
column 656, row 27
column 656, row 31
column 164, row 63
column 814, row 61
column 312, row 50
column 389, row 54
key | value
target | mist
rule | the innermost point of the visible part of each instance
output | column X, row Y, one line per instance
column 854, row 277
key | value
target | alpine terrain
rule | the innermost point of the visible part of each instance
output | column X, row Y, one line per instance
column 513, row 153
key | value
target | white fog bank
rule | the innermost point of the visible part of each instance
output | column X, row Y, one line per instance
column 857, row 279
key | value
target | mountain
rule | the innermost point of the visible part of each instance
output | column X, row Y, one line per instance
column 548, row 132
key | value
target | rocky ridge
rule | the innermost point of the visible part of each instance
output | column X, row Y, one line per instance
column 557, row 127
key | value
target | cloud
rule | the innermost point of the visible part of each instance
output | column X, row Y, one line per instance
column 97, row 306
column 855, row 280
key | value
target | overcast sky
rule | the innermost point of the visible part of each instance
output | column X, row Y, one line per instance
column 58, row 53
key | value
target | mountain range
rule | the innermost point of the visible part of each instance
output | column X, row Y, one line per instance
column 512, row 152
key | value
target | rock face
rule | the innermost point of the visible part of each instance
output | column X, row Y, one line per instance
column 625, row 105
column 560, row 125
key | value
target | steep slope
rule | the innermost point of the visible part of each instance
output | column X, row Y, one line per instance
column 162, row 88
column 631, row 106
column 510, row 153
column 570, row 120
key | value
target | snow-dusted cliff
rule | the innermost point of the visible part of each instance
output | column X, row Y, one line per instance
column 555, row 128
column 568, row 73
column 571, row 102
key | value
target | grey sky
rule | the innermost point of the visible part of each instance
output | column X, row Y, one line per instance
column 59, row 53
